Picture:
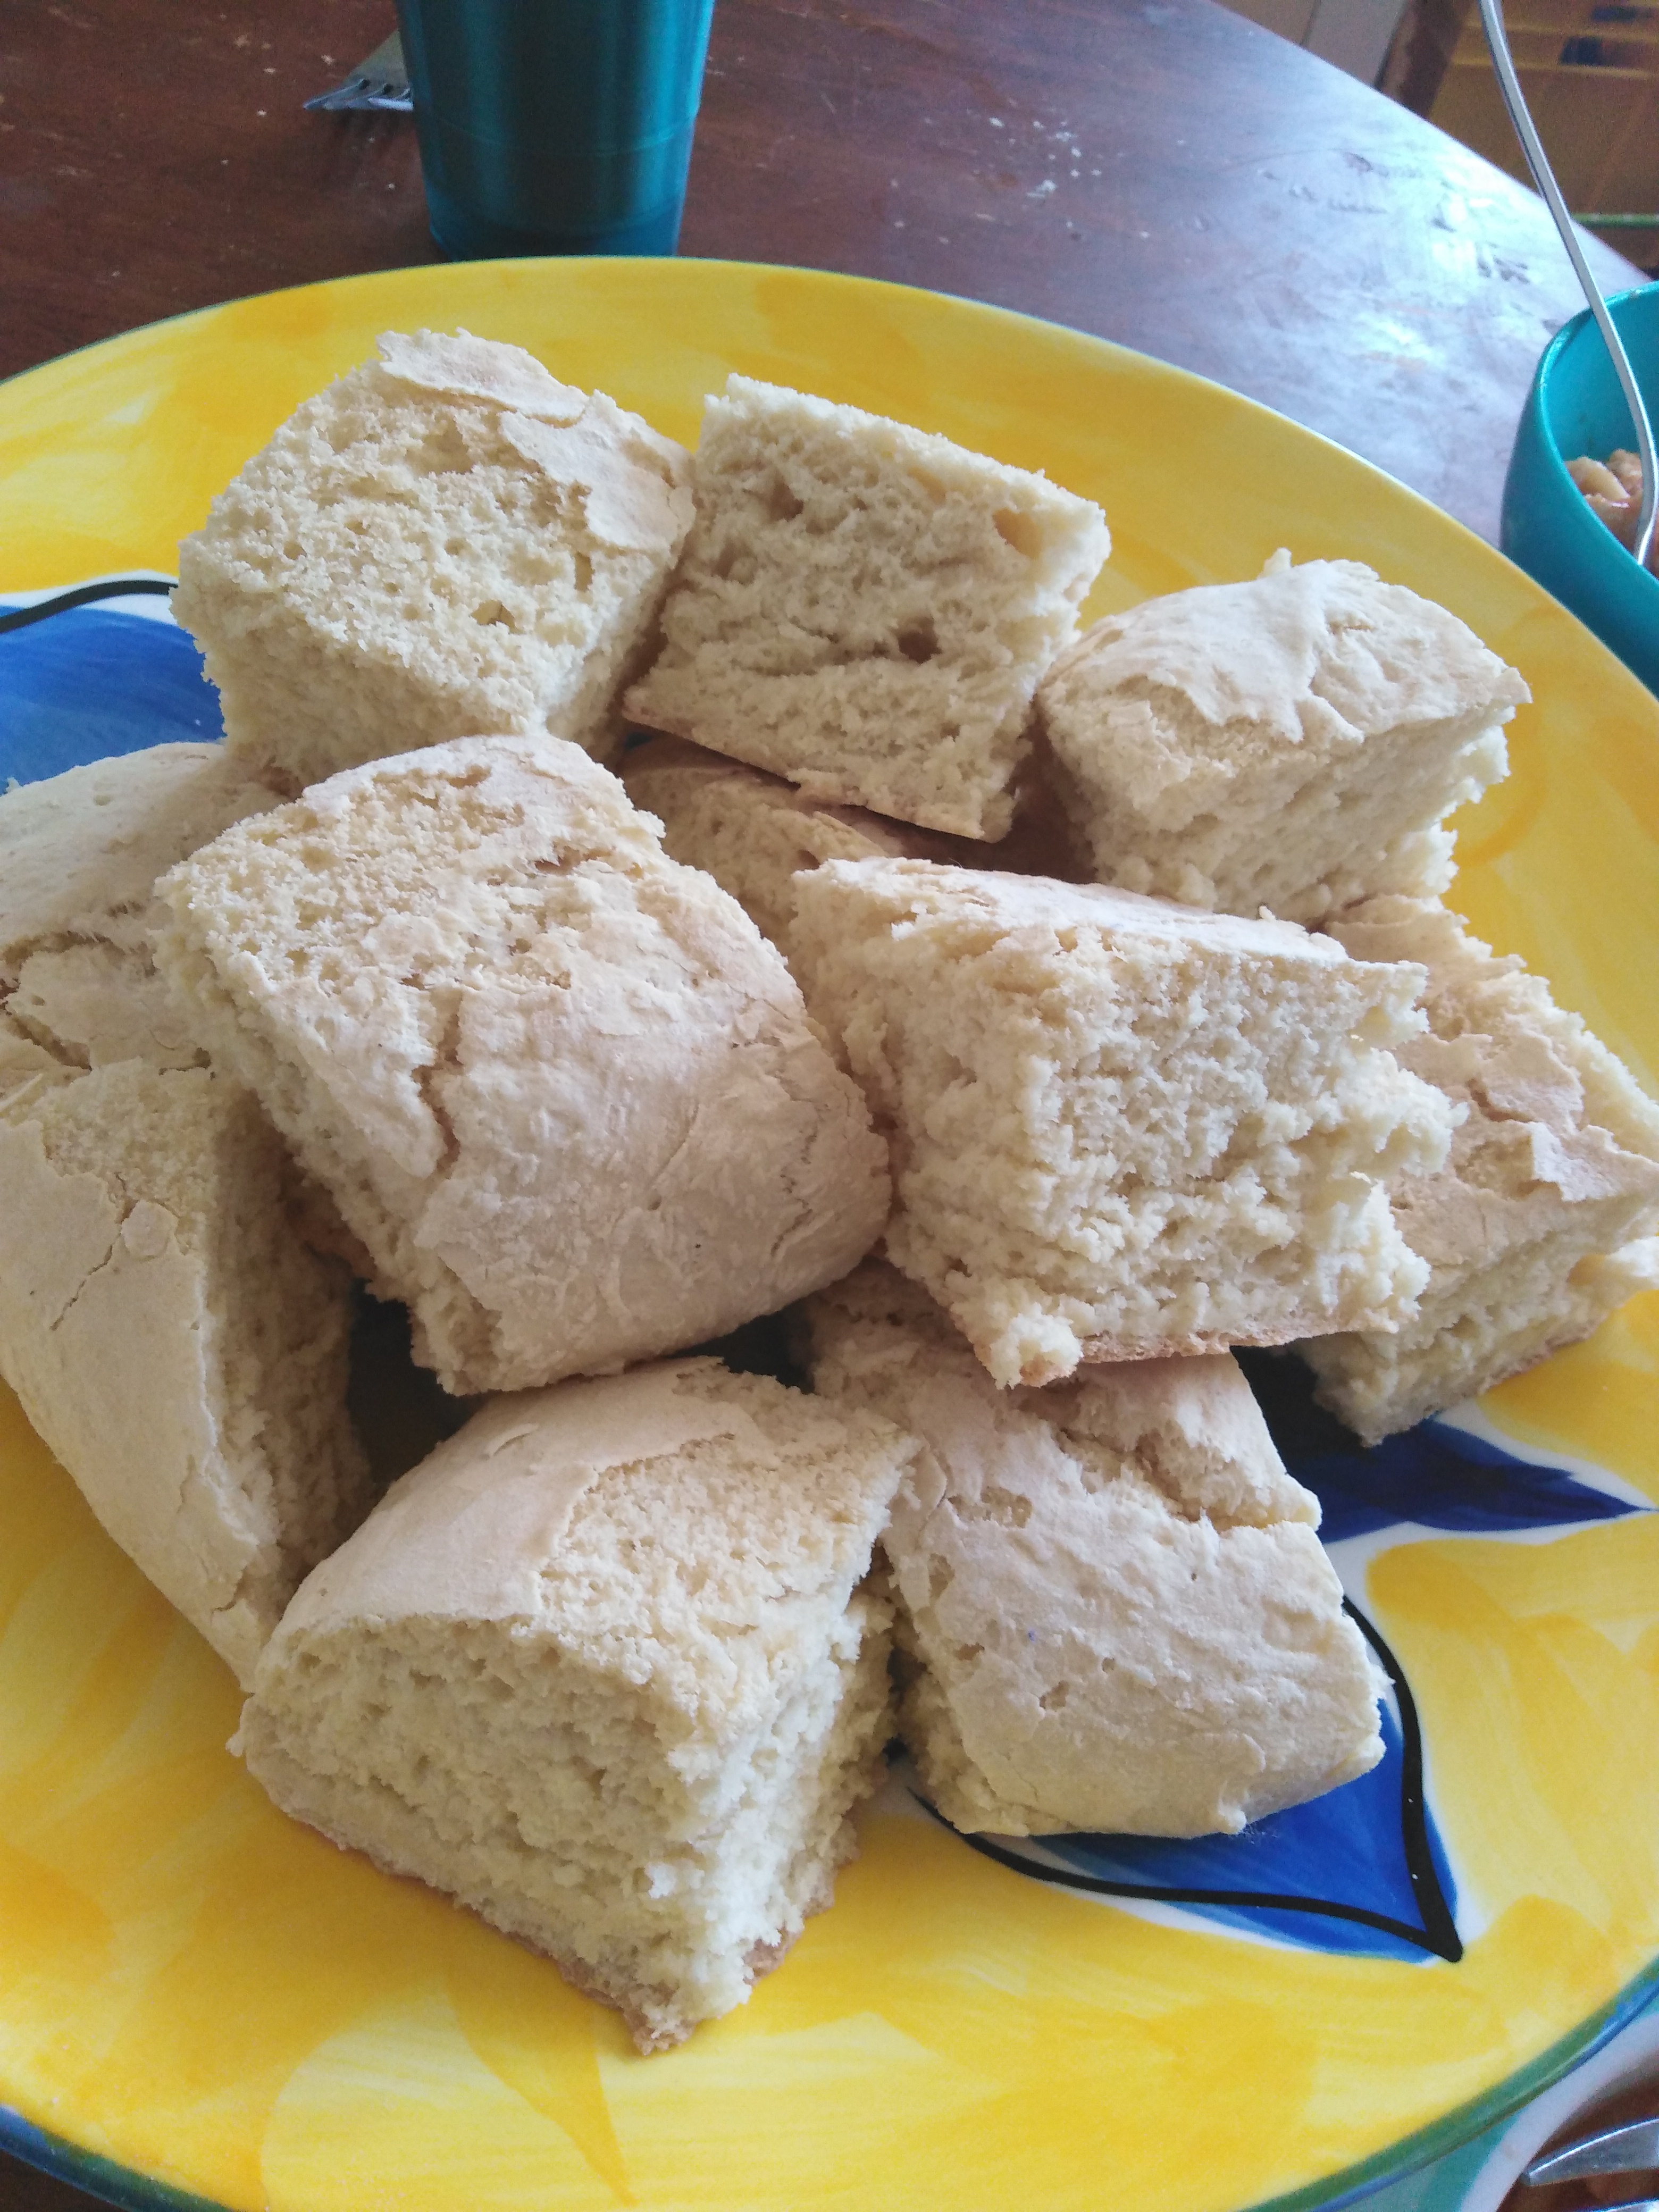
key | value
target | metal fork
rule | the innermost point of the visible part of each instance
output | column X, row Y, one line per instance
column 378, row 83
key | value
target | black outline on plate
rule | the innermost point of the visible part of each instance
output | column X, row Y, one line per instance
column 1438, row 1933
column 113, row 587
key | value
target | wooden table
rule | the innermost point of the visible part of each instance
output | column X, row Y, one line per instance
column 1158, row 172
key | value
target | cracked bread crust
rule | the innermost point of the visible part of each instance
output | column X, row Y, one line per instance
column 560, row 1088
column 1295, row 742
column 601, row 1669
column 171, row 1338
column 866, row 609
column 1113, row 1612
column 176, row 1345
column 1541, row 1221
column 79, row 856
column 445, row 540
column 1120, row 1127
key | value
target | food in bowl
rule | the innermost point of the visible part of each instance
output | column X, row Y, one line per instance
column 1613, row 489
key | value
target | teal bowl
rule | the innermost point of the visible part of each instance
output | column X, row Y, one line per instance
column 1576, row 407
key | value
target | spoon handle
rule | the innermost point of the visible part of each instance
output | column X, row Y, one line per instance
column 1492, row 17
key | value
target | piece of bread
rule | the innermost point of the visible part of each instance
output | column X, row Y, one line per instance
column 1541, row 1221
column 1295, row 743
column 560, row 1087
column 1113, row 1612
column 445, row 541
column 79, row 856
column 599, row 1669
column 175, row 1343
column 753, row 832
column 1121, row 1129
column 866, row 609
column 168, row 1333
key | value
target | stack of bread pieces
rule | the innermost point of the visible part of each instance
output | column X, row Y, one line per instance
column 1031, row 1016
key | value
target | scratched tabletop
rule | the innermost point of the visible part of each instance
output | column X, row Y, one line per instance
column 1157, row 172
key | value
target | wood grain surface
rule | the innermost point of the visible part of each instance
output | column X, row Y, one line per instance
column 1157, row 172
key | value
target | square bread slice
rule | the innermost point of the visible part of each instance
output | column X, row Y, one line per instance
column 1113, row 1612
column 1121, row 1129
column 560, row 1088
column 1541, row 1221
column 866, row 609
column 753, row 832
column 599, row 1669
column 79, row 856
column 1295, row 743
column 445, row 540
column 176, row 1345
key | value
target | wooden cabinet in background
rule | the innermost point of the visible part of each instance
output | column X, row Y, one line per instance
column 1590, row 72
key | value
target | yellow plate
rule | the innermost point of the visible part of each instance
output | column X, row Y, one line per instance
column 201, row 1992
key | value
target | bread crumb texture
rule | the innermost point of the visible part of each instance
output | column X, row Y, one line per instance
column 1296, row 742
column 1541, row 1221
column 752, row 832
column 79, row 856
column 180, row 1351
column 865, row 608
column 1122, row 1129
column 447, row 540
column 561, row 1089
column 1114, row 1611
column 600, row 1668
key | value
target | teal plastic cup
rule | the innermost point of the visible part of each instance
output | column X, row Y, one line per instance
column 555, row 126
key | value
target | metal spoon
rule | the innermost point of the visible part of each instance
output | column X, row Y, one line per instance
column 1492, row 16
column 1631, row 2148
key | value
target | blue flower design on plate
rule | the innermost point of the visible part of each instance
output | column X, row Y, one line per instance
column 93, row 680
column 1434, row 1476
column 1362, row 1870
